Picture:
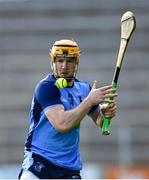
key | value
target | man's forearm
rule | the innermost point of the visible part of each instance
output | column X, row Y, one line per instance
column 66, row 120
column 97, row 117
column 74, row 116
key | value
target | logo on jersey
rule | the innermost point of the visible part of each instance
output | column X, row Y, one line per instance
column 38, row 166
column 70, row 99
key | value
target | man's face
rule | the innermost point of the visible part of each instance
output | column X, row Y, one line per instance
column 64, row 67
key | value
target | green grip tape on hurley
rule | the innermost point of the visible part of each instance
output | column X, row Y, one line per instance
column 106, row 120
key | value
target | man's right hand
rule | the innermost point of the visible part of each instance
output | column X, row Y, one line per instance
column 100, row 95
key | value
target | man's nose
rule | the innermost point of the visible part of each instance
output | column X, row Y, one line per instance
column 64, row 64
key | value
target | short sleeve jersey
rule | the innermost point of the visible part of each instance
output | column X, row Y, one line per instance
column 59, row 148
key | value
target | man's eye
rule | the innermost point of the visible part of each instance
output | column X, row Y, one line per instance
column 59, row 60
column 70, row 61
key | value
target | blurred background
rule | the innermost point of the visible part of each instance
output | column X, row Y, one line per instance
column 28, row 29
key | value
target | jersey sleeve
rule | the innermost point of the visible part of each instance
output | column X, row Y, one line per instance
column 94, row 108
column 47, row 94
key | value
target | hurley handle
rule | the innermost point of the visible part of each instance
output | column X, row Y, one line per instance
column 106, row 120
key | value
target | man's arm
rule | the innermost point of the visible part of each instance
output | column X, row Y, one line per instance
column 109, row 111
column 64, row 121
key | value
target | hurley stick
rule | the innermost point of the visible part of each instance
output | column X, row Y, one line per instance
column 128, row 24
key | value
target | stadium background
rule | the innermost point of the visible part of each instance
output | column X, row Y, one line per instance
column 27, row 30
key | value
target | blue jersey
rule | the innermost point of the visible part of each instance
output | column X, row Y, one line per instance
column 59, row 148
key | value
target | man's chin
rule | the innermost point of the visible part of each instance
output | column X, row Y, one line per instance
column 66, row 77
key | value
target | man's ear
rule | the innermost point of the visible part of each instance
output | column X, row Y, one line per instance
column 51, row 64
